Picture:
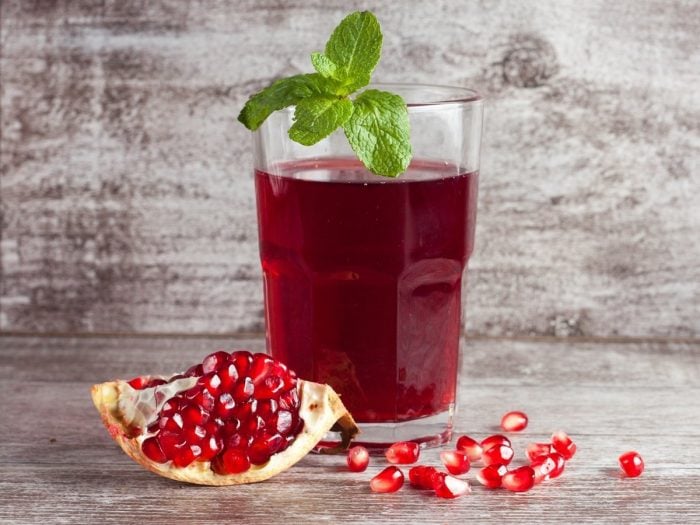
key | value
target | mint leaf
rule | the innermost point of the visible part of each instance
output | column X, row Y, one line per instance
column 279, row 95
column 379, row 132
column 317, row 117
column 323, row 65
column 354, row 48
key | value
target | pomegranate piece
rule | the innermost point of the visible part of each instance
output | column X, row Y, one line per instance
column 490, row 477
column 358, row 459
column 520, row 479
column 543, row 467
column 423, row 477
column 535, row 450
column 497, row 455
column 388, row 480
column 631, row 464
column 227, row 414
column 563, row 444
column 496, row 439
column 403, row 453
column 470, row 446
column 456, row 462
column 514, row 421
column 450, row 487
column 559, row 462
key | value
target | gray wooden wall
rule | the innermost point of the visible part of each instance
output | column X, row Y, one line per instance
column 127, row 196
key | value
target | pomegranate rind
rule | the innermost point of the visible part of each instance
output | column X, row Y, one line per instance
column 320, row 408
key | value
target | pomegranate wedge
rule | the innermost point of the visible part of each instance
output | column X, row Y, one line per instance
column 234, row 418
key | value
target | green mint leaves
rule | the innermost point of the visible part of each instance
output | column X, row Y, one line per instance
column 375, row 122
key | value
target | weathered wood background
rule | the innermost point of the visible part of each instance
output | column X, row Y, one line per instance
column 127, row 197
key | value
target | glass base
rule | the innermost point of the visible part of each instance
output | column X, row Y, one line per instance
column 431, row 431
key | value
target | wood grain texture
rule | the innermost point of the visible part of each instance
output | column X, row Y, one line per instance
column 127, row 198
column 60, row 466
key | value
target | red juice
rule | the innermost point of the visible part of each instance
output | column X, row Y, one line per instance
column 362, row 279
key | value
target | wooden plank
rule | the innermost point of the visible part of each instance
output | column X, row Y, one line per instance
column 126, row 190
column 60, row 465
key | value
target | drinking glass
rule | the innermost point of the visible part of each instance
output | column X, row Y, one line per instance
column 363, row 275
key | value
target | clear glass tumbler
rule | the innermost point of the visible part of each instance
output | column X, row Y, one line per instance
column 363, row 274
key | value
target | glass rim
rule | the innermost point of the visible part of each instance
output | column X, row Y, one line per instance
column 460, row 96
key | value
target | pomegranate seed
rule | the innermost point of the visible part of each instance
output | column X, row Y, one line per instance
column 560, row 463
column 186, row 455
column 270, row 387
column 194, row 415
column 471, row 447
column 490, row 477
column 211, row 383
column 289, row 400
column 152, row 450
column 423, row 477
column 138, row 383
column 225, row 405
column 358, row 459
column 173, row 423
column 543, row 467
column 520, row 479
column 496, row 439
column 498, row 454
column 388, row 480
column 243, row 390
column 450, row 487
column 211, row 446
column 631, row 464
column 456, row 462
column 194, row 434
column 284, row 421
column 194, row 371
column 215, row 361
column 228, row 376
column 242, row 360
column 514, row 421
column 536, row 450
column 563, row 444
column 231, row 461
column 403, row 452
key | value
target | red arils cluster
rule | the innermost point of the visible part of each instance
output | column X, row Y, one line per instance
column 243, row 409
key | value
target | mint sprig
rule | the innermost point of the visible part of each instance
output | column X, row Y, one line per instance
column 375, row 122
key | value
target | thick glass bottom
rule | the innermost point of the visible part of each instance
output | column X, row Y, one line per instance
column 431, row 431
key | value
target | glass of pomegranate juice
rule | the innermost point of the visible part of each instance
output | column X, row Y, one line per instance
column 363, row 274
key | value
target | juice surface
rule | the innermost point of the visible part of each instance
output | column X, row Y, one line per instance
column 363, row 277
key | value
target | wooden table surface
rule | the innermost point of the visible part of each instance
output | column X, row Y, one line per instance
column 60, row 466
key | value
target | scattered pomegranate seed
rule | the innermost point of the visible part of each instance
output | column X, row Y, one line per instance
column 560, row 463
column 450, row 487
column 388, row 480
column 403, row 453
column 631, row 464
column 358, row 459
column 423, row 477
column 496, row 439
column 471, row 447
column 456, row 462
column 520, row 479
column 514, row 421
column 563, row 444
column 490, row 477
column 543, row 467
column 536, row 450
column 498, row 454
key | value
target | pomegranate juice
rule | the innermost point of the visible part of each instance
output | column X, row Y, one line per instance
column 363, row 277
